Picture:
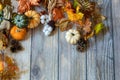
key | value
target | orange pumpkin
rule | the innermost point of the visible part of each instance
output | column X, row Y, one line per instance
column 34, row 18
column 18, row 33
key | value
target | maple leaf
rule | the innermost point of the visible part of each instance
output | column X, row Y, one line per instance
column 57, row 14
column 23, row 6
column 71, row 13
column 87, row 26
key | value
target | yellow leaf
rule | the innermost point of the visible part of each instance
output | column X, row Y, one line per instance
column 74, row 16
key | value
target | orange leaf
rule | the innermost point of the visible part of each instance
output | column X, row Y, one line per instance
column 57, row 14
column 23, row 6
column 34, row 2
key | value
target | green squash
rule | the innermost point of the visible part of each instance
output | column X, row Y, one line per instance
column 20, row 20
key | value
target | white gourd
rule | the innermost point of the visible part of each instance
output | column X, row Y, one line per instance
column 72, row 36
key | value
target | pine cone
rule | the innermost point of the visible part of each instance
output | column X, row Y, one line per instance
column 82, row 45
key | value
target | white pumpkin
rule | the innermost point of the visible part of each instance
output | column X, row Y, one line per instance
column 72, row 36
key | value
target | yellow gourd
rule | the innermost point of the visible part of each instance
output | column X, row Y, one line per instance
column 34, row 18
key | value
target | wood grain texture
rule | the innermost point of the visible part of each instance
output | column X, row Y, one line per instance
column 52, row 58
column 23, row 57
column 44, row 60
column 116, row 36
column 72, row 64
column 100, row 63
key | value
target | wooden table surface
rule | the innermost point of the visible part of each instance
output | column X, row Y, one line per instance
column 52, row 58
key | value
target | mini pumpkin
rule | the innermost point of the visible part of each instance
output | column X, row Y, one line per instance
column 34, row 18
column 72, row 36
column 18, row 33
column 20, row 20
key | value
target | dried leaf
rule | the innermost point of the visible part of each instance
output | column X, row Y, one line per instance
column 71, row 13
column 88, row 35
column 24, row 5
column 60, row 3
column 34, row 2
column 98, row 27
column 87, row 26
column 57, row 14
column 7, row 2
column 44, row 3
column 76, row 3
column 63, row 24
column 11, row 69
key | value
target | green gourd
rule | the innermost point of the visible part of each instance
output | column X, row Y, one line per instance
column 20, row 20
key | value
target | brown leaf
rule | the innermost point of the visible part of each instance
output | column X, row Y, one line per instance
column 87, row 26
column 24, row 5
column 34, row 2
column 89, row 35
column 60, row 3
column 64, row 25
column 57, row 14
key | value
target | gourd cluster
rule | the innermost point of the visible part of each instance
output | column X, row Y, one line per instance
column 81, row 19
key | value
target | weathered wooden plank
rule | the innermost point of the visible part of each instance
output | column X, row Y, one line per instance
column 72, row 64
column 116, row 32
column 23, row 57
column 44, row 62
column 100, row 56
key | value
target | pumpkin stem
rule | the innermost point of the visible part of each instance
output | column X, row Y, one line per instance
column 72, row 34
column 18, row 30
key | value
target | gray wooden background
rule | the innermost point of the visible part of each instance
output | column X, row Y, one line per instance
column 52, row 58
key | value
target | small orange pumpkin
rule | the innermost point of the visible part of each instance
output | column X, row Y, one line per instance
column 18, row 33
column 34, row 18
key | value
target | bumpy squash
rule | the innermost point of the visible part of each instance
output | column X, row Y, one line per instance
column 18, row 33
column 34, row 18
column 72, row 36
column 20, row 20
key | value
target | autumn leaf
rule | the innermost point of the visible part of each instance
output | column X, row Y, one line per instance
column 63, row 24
column 60, row 3
column 98, row 27
column 34, row 2
column 57, row 14
column 23, row 6
column 87, row 26
column 89, row 35
column 76, row 3
column 71, row 13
